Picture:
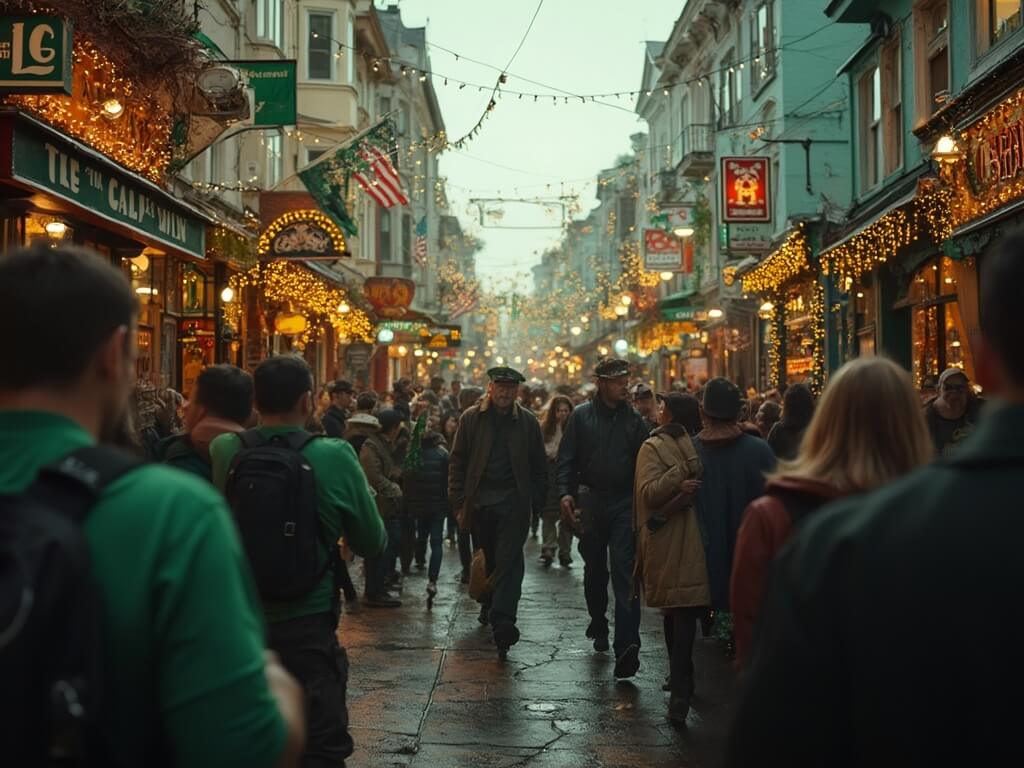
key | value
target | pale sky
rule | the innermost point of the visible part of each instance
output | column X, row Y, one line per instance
column 579, row 46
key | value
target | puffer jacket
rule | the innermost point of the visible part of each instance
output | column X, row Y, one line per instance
column 670, row 569
column 426, row 488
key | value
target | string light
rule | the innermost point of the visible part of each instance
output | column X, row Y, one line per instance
column 789, row 261
column 285, row 220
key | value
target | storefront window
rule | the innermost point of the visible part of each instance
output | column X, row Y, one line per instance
column 46, row 229
column 865, row 316
column 939, row 336
column 799, row 340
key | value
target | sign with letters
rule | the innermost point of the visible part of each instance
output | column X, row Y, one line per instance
column 63, row 170
column 274, row 84
column 746, row 191
column 35, row 55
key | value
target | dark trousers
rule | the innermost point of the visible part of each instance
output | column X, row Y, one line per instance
column 407, row 544
column 609, row 538
column 378, row 568
column 501, row 531
column 432, row 531
column 309, row 650
column 680, row 632
column 466, row 550
column 348, row 589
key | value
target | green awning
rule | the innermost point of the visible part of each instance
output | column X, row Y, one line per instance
column 211, row 46
column 678, row 306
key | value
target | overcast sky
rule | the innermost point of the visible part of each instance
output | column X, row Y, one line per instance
column 579, row 46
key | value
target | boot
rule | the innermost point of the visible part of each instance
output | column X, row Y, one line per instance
column 431, row 594
column 485, row 614
column 678, row 709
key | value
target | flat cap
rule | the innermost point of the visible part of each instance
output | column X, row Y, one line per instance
column 505, row 375
column 641, row 390
column 612, row 368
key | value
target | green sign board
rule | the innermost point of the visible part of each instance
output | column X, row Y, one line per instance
column 65, row 171
column 35, row 55
column 672, row 314
column 274, row 86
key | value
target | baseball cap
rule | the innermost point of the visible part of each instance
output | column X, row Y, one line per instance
column 950, row 373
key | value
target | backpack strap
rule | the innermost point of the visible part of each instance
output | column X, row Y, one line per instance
column 76, row 482
column 251, row 438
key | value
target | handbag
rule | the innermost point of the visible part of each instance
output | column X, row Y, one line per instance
column 479, row 584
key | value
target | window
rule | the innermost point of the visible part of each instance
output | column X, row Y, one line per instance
column 870, row 98
column 892, row 105
column 931, row 51
column 726, row 92
column 997, row 20
column 402, row 118
column 407, row 239
column 313, row 154
column 385, row 105
column 684, row 121
column 350, row 59
column 320, row 64
column 626, row 217
column 762, row 47
column 275, row 160
column 386, row 253
column 269, row 21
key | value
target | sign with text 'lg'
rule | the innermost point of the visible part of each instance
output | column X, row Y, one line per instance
column 35, row 55
column 746, row 191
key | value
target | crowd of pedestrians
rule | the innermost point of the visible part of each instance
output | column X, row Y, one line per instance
column 185, row 590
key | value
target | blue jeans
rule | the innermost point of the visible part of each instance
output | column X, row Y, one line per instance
column 610, row 538
column 378, row 568
column 434, row 530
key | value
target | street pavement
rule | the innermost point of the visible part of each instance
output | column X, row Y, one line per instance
column 426, row 688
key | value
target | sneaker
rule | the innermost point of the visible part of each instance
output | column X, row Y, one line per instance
column 545, row 559
column 628, row 663
column 678, row 709
column 565, row 562
column 383, row 601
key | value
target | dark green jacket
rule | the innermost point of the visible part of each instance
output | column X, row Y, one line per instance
column 178, row 451
column 892, row 627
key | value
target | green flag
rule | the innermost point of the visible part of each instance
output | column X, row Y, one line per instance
column 327, row 182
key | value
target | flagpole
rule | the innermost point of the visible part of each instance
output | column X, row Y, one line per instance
column 330, row 152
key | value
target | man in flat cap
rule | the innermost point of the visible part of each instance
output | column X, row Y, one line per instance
column 496, row 478
column 596, row 468
column 643, row 401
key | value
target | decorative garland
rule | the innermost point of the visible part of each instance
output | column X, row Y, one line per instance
column 788, row 262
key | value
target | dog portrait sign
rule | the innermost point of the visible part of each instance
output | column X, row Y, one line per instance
column 746, row 189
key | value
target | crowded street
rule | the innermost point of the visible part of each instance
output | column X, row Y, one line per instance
column 557, row 383
column 431, row 692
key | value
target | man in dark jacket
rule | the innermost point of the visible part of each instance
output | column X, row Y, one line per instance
column 596, row 469
column 863, row 655
column 425, row 489
column 334, row 418
column 220, row 402
column 497, row 476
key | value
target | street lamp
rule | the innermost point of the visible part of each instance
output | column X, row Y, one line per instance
column 622, row 310
column 666, row 276
column 682, row 231
column 621, row 347
column 715, row 313
column 767, row 307
column 228, row 294
column 385, row 336
column 575, row 330
column 626, row 299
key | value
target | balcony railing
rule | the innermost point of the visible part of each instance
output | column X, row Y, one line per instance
column 698, row 138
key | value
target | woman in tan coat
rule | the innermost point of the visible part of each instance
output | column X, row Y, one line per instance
column 670, row 566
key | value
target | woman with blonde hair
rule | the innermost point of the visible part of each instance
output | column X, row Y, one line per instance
column 866, row 432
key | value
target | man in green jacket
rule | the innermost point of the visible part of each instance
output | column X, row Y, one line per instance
column 496, row 477
column 891, row 627
column 186, row 679
column 303, row 632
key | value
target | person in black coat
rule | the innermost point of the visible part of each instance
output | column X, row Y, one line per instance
column 334, row 418
column 426, row 494
column 797, row 410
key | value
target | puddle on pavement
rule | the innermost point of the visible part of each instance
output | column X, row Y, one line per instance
column 541, row 706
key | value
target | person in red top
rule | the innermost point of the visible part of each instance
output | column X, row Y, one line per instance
column 867, row 431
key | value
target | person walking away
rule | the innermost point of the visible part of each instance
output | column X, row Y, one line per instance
column 643, row 400
column 378, row 462
column 735, row 464
column 342, row 394
column 279, row 478
column 768, row 414
column 359, row 427
column 671, row 571
column 596, row 473
column 866, row 433
column 144, row 593
column 797, row 410
column 426, row 494
column 952, row 416
column 220, row 402
column 557, row 534
column 496, row 477
column 860, row 657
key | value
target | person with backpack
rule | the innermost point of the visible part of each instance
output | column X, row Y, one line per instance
column 596, row 474
column 866, row 432
column 382, row 474
column 221, row 402
column 129, row 630
column 294, row 495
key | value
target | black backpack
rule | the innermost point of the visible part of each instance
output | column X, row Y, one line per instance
column 50, row 614
column 271, row 488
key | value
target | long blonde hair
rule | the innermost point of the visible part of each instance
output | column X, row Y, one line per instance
column 867, row 431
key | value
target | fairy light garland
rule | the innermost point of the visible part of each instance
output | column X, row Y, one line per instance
column 139, row 138
column 285, row 220
column 817, row 312
column 789, row 261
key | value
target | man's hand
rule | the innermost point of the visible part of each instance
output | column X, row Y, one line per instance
column 690, row 487
column 568, row 505
column 460, row 518
column 289, row 697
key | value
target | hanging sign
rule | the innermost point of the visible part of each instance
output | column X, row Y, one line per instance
column 442, row 336
column 662, row 251
column 274, row 85
column 390, row 296
column 746, row 192
column 747, row 236
column 35, row 55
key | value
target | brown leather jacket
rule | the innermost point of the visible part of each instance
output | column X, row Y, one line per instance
column 472, row 449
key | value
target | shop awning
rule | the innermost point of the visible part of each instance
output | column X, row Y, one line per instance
column 679, row 306
column 899, row 203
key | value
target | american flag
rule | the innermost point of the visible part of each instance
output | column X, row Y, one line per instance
column 465, row 304
column 420, row 251
column 381, row 180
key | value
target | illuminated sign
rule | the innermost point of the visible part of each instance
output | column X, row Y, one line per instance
column 35, row 55
column 390, row 296
column 746, row 189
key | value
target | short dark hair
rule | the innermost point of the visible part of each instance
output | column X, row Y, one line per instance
column 341, row 386
column 280, row 382
column 226, row 391
column 1002, row 272
column 59, row 305
column 389, row 418
column 366, row 401
column 797, row 406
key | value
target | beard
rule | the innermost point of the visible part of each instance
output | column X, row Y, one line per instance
column 118, row 423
